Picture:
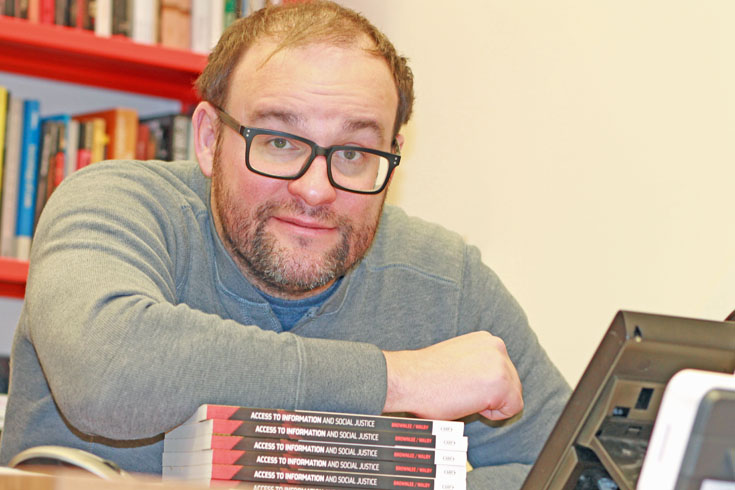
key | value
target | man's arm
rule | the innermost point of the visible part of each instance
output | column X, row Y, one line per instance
column 468, row 374
column 123, row 358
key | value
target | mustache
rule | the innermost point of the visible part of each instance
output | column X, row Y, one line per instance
column 296, row 207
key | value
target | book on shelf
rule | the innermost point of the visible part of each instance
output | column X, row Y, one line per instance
column 11, row 176
column 168, row 137
column 175, row 24
column 121, row 130
column 411, row 456
column 103, row 18
column 144, row 21
column 205, row 474
column 4, row 98
column 50, row 131
column 28, row 178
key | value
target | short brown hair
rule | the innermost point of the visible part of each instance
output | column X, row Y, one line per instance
column 298, row 25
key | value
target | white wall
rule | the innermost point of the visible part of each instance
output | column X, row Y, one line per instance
column 588, row 149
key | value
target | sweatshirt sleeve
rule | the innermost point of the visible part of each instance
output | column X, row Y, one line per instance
column 123, row 359
column 502, row 452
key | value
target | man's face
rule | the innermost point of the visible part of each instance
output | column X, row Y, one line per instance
column 294, row 238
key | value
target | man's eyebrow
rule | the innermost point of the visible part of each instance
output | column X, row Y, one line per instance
column 289, row 118
column 375, row 127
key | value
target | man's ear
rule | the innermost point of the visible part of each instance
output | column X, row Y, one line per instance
column 400, row 141
column 204, row 124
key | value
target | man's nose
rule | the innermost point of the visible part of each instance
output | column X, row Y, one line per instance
column 314, row 186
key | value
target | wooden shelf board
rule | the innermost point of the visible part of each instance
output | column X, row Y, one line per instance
column 79, row 56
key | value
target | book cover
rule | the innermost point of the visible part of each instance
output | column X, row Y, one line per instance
column 317, row 448
column 28, row 178
column 121, row 128
column 11, row 176
column 302, row 432
column 285, row 475
column 333, row 419
column 300, row 461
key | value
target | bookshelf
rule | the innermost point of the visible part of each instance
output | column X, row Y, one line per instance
column 78, row 56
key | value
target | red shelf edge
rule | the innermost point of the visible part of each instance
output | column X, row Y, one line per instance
column 13, row 275
column 75, row 55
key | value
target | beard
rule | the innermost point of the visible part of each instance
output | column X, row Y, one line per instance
column 281, row 269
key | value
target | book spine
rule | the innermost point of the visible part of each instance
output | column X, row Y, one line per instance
column 296, row 461
column 49, row 140
column 328, row 419
column 28, row 176
column 4, row 98
column 321, row 449
column 145, row 15
column 303, row 432
column 103, row 18
column 11, row 177
column 285, row 475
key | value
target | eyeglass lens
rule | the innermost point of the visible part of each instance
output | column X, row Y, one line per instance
column 281, row 156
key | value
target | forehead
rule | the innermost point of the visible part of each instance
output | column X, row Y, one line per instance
column 314, row 82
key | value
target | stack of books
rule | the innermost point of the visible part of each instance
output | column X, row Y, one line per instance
column 224, row 445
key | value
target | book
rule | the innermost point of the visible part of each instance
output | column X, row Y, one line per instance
column 72, row 146
column 287, row 459
column 11, row 176
column 84, row 147
column 102, row 17
column 49, row 146
column 286, row 475
column 144, row 28
column 121, row 128
column 316, row 448
column 66, row 151
column 28, row 178
column 168, row 136
column 175, row 24
column 4, row 98
column 334, row 419
column 121, row 18
column 305, row 432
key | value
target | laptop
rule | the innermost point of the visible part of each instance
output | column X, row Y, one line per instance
column 600, row 439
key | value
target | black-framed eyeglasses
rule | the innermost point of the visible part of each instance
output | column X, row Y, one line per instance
column 287, row 156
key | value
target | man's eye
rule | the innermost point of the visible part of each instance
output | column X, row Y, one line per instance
column 280, row 143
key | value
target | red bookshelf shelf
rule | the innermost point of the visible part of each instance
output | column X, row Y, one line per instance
column 76, row 55
column 13, row 274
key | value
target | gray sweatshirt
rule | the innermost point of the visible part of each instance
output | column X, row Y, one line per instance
column 135, row 314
